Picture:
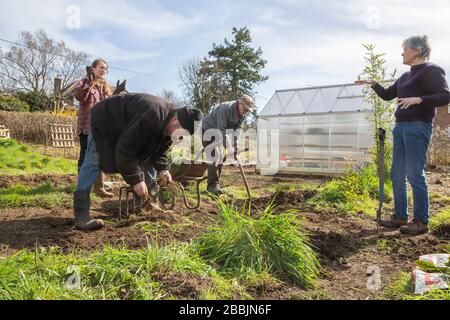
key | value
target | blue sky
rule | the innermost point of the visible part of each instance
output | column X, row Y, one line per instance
column 305, row 42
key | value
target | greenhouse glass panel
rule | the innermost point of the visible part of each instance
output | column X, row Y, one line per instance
column 321, row 130
column 273, row 106
column 307, row 97
column 294, row 105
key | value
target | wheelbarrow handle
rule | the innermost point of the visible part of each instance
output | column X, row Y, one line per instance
column 198, row 197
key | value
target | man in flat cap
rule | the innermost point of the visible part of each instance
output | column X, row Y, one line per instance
column 227, row 116
column 130, row 134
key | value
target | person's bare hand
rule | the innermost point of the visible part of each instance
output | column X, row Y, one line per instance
column 369, row 82
column 166, row 178
column 141, row 189
column 405, row 103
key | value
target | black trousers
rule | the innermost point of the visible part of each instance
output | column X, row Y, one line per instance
column 213, row 173
column 83, row 147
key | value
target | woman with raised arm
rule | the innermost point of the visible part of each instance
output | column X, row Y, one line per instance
column 419, row 92
column 90, row 90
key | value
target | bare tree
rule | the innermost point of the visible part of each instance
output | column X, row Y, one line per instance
column 32, row 65
column 169, row 95
column 70, row 66
column 189, row 78
column 202, row 85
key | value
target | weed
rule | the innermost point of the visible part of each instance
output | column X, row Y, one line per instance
column 402, row 289
column 358, row 191
column 440, row 220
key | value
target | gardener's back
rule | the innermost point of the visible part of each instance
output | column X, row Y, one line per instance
column 117, row 112
column 129, row 125
column 223, row 116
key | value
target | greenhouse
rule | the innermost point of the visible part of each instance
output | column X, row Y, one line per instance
column 319, row 130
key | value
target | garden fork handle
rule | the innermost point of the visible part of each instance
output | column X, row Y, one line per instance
column 382, row 138
column 247, row 188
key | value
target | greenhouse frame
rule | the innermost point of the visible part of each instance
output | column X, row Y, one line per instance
column 314, row 130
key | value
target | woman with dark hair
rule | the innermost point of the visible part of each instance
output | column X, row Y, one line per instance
column 418, row 92
column 90, row 90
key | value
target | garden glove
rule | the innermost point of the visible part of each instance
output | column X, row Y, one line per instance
column 120, row 87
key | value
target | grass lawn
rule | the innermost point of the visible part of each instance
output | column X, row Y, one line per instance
column 45, row 195
column 19, row 159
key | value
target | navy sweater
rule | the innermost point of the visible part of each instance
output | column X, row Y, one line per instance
column 427, row 81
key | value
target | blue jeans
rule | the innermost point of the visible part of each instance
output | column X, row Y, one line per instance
column 90, row 168
column 411, row 140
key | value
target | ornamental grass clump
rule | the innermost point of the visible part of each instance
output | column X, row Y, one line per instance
column 273, row 242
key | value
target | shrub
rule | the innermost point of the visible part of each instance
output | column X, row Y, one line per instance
column 36, row 100
column 33, row 127
column 358, row 191
column 10, row 103
column 439, row 153
column 273, row 243
column 364, row 181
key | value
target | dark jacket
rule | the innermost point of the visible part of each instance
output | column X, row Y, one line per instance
column 427, row 81
column 129, row 133
column 224, row 116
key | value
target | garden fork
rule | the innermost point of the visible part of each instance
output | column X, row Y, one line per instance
column 381, row 138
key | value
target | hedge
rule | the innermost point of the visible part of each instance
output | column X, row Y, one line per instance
column 33, row 127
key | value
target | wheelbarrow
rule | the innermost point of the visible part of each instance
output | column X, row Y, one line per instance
column 181, row 174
